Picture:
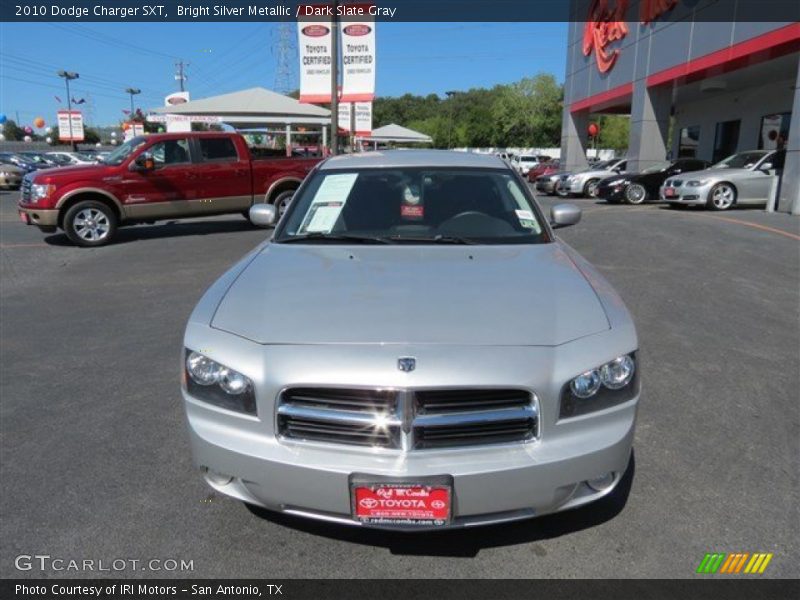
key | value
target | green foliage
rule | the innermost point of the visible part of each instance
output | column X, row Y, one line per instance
column 12, row 131
column 526, row 113
column 90, row 136
column 614, row 130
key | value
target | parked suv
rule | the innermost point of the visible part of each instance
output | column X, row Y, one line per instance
column 154, row 177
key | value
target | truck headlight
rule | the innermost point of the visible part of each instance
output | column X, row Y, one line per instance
column 41, row 191
column 613, row 383
column 212, row 382
column 697, row 182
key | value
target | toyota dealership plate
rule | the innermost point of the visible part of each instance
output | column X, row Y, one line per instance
column 425, row 501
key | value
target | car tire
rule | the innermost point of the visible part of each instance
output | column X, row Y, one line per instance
column 90, row 223
column 721, row 197
column 281, row 202
column 635, row 194
column 590, row 189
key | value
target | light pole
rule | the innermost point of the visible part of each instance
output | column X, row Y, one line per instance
column 132, row 91
column 69, row 76
column 450, row 96
column 334, row 82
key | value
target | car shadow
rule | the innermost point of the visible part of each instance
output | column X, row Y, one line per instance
column 468, row 542
column 166, row 229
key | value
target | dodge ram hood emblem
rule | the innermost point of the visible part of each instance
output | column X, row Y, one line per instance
column 406, row 364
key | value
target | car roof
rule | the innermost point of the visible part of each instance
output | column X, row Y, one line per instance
column 414, row 158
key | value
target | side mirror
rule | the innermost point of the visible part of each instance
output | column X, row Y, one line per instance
column 768, row 166
column 263, row 215
column 144, row 162
column 564, row 215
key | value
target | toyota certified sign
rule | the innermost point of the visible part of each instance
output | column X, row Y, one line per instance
column 358, row 56
column 315, row 31
column 314, row 40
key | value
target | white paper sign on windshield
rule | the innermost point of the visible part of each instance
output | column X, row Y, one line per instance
column 328, row 203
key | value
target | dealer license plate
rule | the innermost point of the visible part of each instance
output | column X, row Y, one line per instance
column 669, row 192
column 427, row 502
column 24, row 217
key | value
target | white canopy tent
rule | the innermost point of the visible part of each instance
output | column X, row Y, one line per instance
column 256, row 108
column 398, row 134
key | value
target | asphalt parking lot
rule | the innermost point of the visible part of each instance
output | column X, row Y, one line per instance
column 95, row 458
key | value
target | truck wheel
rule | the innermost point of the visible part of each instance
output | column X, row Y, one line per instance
column 281, row 202
column 90, row 223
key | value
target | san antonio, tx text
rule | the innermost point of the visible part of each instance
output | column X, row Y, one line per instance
column 130, row 589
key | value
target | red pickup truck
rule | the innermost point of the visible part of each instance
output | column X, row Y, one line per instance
column 164, row 176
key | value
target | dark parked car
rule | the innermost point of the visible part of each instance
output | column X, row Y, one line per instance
column 637, row 188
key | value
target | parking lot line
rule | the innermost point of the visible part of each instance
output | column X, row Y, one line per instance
column 5, row 246
column 755, row 226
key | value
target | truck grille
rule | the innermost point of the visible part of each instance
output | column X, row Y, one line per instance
column 26, row 189
column 407, row 419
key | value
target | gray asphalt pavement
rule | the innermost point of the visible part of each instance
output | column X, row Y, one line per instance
column 94, row 457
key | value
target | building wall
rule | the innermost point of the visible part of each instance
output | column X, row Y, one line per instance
column 749, row 105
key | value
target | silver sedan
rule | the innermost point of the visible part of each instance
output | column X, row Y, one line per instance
column 744, row 178
column 414, row 349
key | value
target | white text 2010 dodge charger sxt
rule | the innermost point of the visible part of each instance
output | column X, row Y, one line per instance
column 414, row 348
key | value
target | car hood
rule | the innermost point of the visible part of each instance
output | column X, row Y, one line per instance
column 719, row 173
column 617, row 177
column 465, row 295
column 73, row 172
column 588, row 174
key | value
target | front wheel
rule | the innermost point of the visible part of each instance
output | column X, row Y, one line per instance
column 90, row 223
column 721, row 197
column 635, row 194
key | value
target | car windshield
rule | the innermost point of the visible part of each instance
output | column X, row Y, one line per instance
column 118, row 156
column 658, row 167
column 743, row 160
column 412, row 205
column 602, row 165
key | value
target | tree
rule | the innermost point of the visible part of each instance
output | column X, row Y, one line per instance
column 90, row 136
column 12, row 131
column 614, row 130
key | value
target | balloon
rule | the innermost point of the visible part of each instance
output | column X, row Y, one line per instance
column 113, row 134
column 160, row 130
column 97, row 145
column 593, row 129
column 113, row 142
column 2, row 137
column 27, row 138
column 49, row 140
column 38, row 122
column 126, row 126
column 3, row 118
column 28, row 129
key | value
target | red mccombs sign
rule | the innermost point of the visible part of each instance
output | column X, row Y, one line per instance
column 606, row 24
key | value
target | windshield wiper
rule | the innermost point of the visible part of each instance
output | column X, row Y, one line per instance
column 336, row 237
column 437, row 239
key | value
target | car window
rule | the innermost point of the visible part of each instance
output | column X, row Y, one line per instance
column 218, row 148
column 414, row 205
column 170, row 152
column 743, row 160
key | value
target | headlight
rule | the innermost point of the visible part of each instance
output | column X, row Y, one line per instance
column 217, row 384
column 697, row 182
column 40, row 191
column 612, row 383
column 620, row 183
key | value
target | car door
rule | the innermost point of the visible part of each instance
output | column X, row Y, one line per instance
column 168, row 190
column 755, row 185
column 224, row 177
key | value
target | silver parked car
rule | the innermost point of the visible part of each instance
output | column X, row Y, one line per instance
column 440, row 357
column 584, row 183
column 744, row 178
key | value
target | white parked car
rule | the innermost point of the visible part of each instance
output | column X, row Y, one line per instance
column 584, row 183
column 524, row 163
column 71, row 158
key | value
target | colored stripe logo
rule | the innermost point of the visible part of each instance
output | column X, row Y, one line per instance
column 734, row 563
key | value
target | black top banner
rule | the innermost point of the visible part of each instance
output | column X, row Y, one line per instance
column 401, row 10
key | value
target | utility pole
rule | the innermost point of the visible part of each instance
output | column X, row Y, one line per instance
column 450, row 96
column 69, row 76
column 180, row 76
column 334, row 81
column 132, row 91
column 285, row 55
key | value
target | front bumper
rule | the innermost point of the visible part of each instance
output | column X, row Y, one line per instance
column 41, row 217
column 546, row 186
column 492, row 483
column 8, row 180
column 685, row 195
column 611, row 194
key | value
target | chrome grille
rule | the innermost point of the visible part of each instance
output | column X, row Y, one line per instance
column 26, row 189
column 407, row 419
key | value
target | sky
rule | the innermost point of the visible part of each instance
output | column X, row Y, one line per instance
column 417, row 58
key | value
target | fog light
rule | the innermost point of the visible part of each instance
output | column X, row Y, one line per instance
column 602, row 483
column 218, row 478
